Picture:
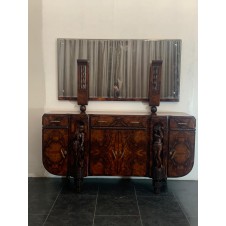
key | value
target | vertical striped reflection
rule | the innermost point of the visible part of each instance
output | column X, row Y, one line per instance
column 118, row 68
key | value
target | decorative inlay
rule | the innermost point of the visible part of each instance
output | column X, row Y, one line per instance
column 155, row 83
column 83, row 76
column 155, row 78
column 118, row 152
column 55, row 150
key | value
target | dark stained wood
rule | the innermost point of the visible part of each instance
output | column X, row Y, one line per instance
column 155, row 83
column 76, row 121
column 83, row 82
column 119, row 99
column 116, row 121
column 163, row 122
column 118, row 145
column 182, row 123
column 55, row 150
column 55, row 120
column 181, row 146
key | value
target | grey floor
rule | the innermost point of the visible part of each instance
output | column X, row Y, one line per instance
column 109, row 202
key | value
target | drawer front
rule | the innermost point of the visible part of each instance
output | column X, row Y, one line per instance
column 124, row 121
column 55, row 120
column 182, row 122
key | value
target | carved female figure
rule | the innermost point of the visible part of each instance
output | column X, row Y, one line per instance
column 157, row 147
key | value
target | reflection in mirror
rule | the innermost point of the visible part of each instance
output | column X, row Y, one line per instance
column 118, row 69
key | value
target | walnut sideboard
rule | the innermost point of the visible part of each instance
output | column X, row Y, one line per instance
column 158, row 146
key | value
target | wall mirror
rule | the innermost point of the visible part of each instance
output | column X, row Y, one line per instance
column 118, row 64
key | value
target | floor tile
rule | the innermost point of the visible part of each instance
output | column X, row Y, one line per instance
column 186, row 193
column 116, row 205
column 74, row 204
column 46, row 185
column 113, row 201
column 158, row 209
column 88, row 187
column 121, row 187
column 193, row 221
column 117, row 221
column 69, row 219
column 41, row 204
column 73, row 209
column 36, row 219
column 164, row 221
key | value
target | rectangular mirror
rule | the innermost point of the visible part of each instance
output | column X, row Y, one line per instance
column 118, row 65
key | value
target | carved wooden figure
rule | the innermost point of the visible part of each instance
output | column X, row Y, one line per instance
column 79, row 154
column 159, row 176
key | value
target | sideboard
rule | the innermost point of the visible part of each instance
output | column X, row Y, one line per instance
column 157, row 146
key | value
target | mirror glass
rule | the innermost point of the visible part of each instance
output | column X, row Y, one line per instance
column 122, row 65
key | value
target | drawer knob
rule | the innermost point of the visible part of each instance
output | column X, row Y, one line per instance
column 55, row 121
column 182, row 123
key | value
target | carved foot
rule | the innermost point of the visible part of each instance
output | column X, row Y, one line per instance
column 157, row 187
column 79, row 180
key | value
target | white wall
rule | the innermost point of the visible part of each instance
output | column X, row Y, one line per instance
column 112, row 19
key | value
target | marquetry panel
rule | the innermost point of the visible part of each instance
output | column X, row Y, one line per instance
column 181, row 153
column 55, row 150
column 118, row 152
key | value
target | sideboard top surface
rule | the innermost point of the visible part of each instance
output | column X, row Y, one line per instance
column 120, row 113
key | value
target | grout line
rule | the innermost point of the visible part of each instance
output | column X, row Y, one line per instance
column 52, row 205
column 138, row 205
column 95, row 207
column 135, row 215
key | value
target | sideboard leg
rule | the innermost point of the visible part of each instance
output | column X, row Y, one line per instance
column 78, row 147
column 159, row 180
column 79, row 180
column 78, row 184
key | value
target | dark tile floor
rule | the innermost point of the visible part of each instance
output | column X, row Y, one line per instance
column 109, row 202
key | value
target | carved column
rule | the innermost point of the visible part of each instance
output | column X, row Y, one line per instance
column 155, row 85
column 79, row 154
column 159, row 170
column 83, row 84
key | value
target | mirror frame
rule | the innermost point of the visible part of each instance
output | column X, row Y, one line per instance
column 176, row 82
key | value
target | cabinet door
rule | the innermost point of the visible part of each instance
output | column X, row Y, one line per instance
column 118, row 152
column 55, row 149
column 181, row 152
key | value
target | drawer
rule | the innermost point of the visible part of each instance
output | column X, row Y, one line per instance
column 187, row 122
column 130, row 121
column 55, row 120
